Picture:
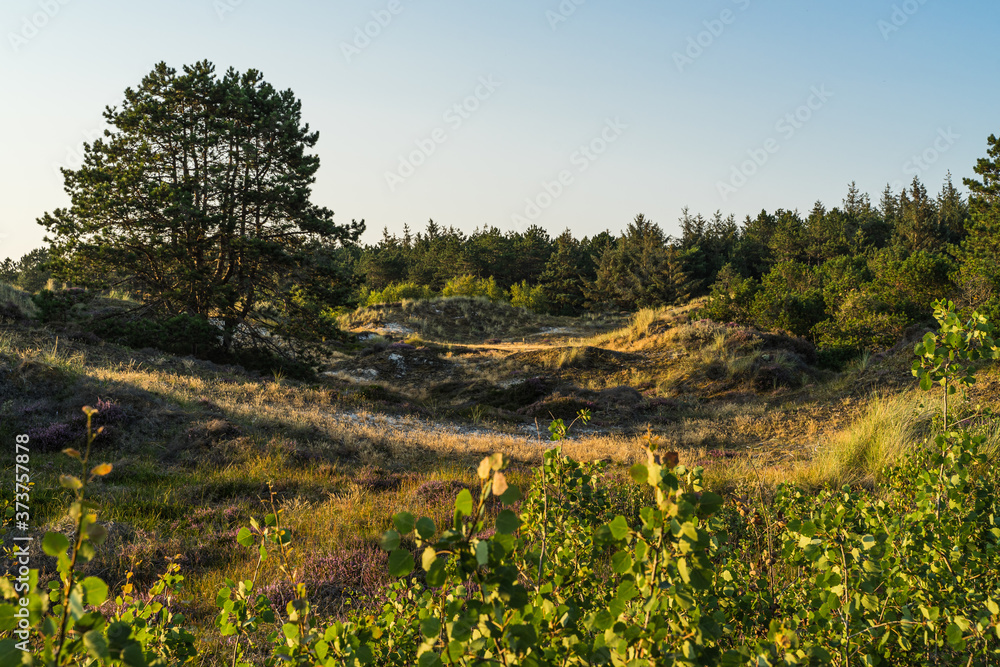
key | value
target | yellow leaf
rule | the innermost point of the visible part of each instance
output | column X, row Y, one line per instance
column 499, row 484
column 101, row 470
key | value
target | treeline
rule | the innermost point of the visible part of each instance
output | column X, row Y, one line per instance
column 850, row 277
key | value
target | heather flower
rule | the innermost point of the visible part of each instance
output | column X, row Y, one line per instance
column 52, row 438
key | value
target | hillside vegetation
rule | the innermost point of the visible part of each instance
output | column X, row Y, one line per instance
column 240, row 436
column 398, row 422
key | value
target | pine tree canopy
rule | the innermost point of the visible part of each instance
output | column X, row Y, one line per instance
column 199, row 196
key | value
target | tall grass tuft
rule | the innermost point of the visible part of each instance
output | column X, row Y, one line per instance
column 19, row 299
column 888, row 428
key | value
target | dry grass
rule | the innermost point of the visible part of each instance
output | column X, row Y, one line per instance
column 451, row 319
column 888, row 427
column 18, row 300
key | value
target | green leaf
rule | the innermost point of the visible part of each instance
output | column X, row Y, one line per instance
column 244, row 537
column 132, row 656
column 619, row 527
column 507, row 522
column 70, row 482
column 55, row 544
column 511, row 495
column 404, row 522
column 430, row 627
column 463, row 503
column 925, row 381
column 426, row 528
column 436, row 574
column 290, row 630
column 483, row 552
column 7, row 620
column 95, row 591
column 96, row 533
column 400, row 563
column 683, row 570
column 96, row 645
column 429, row 659
column 603, row 620
column 621, row 562
column 954, row 635
column 639, row 473
column 389, row 541
column 428, row 557
column 710, row 502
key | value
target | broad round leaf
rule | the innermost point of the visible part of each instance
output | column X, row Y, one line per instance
column 400, row 563
column 464, row 502
column 619, row 527
column 95, row 591
column 403, row 522
column 55, row 544
column 507, row 522
column 426, row 528
column 389, row 541
column 244, row 537
column 430, row 627
column 511, row 495
column 639, row 473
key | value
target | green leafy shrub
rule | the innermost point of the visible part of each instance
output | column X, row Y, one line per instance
column 180, row 334
column 731, row 297
column 62, row 305
column 469, row 285
column 862, row 321
column 790, row 299
column 522, row 295
column 395, row 292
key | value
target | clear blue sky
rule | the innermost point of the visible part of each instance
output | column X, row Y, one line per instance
column 679, row 127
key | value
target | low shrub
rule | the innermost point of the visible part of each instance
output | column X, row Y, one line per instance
column 469, row 285
column 395, row 292
column 522, row 295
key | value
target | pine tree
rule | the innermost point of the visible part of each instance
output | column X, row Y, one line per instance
column 199, row 197
column 562, row 280
column 917, row 221
column 952, row 212
column 632, row 273
column 981, row 249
